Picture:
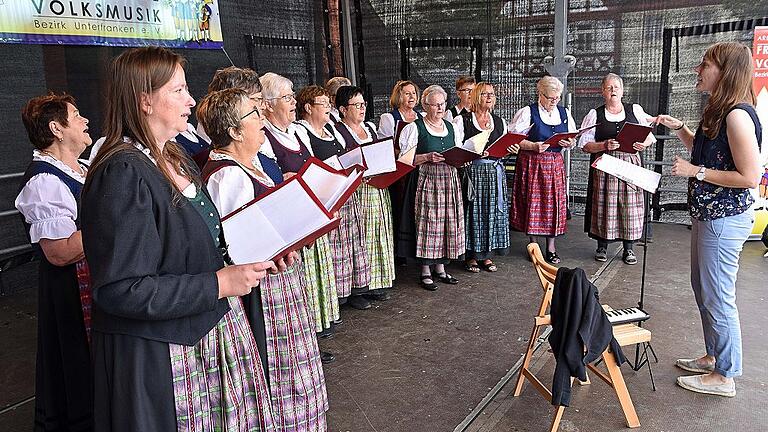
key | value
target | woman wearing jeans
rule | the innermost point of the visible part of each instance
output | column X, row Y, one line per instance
column 724, row 165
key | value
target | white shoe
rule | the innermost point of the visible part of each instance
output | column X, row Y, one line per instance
column 694, row 384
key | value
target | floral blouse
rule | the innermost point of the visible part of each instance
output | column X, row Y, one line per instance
column 707, row 201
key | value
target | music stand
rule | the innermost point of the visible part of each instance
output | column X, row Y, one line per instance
column 614, row 168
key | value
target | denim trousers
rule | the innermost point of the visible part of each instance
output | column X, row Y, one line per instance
column 715, row 249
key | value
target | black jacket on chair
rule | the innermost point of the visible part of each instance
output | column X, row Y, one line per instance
column 580, row 331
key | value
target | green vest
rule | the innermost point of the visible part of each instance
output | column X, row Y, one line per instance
column 430, row 143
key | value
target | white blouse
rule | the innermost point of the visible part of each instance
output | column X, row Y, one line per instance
column 387, row 125
column 458, row 124
column 287, row 139
column 368, row 138
column 47, row 204
column 306, row 129
column 589, row 136
column 231, row 187
column 522, row 118
column 409, row 137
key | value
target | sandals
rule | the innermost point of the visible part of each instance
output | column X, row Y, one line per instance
column 446, row 278
column 472, row 267
column 552, row 258
column 429, row 286
column 489, row 266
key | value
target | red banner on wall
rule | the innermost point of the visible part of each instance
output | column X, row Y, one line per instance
column 760, row 56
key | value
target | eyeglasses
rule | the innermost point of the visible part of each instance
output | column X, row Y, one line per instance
column 359, row 105
column 441, row 104
column 255, row 110
column 551, row 99
column 258, row 99
column 285, row 98
column 322, row 104
column 488, row 95
column 464, row 90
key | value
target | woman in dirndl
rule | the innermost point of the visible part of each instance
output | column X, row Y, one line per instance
column 284, row 147
column 375, row 203
column 615, row 209
column 234, row 177
column 435, row 193
column 539, row 199
column 171, row 343
column 464, row 86
column 350, row 256
column 487, row 211
column 48, row 202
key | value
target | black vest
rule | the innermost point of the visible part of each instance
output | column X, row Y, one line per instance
column 609, row 130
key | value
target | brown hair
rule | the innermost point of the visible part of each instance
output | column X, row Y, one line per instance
column 307, row 95
column 394, row 99
column 137, row 72
column 235, row 77
column 218, row 112
column 474, row 97
column 464, row 79
column 734, row 86
column 39, row 112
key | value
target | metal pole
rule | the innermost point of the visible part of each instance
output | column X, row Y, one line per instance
column 349, row 46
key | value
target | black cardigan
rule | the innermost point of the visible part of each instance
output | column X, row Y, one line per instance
column 579, row 323
column 152, row 261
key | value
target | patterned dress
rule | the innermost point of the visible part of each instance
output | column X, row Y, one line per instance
column 487, row 214
column 296, row 381
column 376, row 206
column 291, row 154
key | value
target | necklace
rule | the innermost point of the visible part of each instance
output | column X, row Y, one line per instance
column 484, row 120
column 621, row 108
column 438, row 126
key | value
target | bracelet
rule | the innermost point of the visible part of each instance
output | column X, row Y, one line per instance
column 682, row 125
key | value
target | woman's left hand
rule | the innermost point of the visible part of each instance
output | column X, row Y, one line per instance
column 567, row 143
column 639, row 146
column 683, row 168
column 513, row 149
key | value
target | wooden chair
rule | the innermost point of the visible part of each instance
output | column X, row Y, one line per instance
column 626, row 334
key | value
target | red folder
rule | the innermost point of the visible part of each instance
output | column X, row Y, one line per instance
column 555, row 139
column 499, row 148
column 336, row 199
column 286, row 218
column 631, row 133
column 458, row 156
column 383, row 181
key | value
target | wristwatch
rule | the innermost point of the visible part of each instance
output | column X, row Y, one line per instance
column 701, row 174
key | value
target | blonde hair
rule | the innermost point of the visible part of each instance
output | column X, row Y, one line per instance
column 394, row 99
column 734, row 86
column 218, row 112
column 475, row 99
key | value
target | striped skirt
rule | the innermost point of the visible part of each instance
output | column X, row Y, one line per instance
column 439, row 213
column 379, row 237
column 487, row 215
column 539, row 198
column 617, row 210
column 350, row 256
column 296, row 382
column 322, row 300
column 218, row 383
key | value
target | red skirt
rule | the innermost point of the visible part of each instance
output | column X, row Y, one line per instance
column 539, row 198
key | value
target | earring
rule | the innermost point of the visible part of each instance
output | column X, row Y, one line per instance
column 61, row 139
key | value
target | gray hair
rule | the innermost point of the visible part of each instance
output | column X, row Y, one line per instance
column 549, row 83
column 334, row 83
column 612, row 76
column 272, row 84
column 429, row 91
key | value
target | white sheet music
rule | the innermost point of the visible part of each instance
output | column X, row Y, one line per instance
column 630, row 173
column 478, row 142
column 352, row 158
column 334, row 162
column 326, row 185
column 379, row 157
column 279, row 219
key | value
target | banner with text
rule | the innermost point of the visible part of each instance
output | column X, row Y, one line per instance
column 169, row 23
column 760, row 82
